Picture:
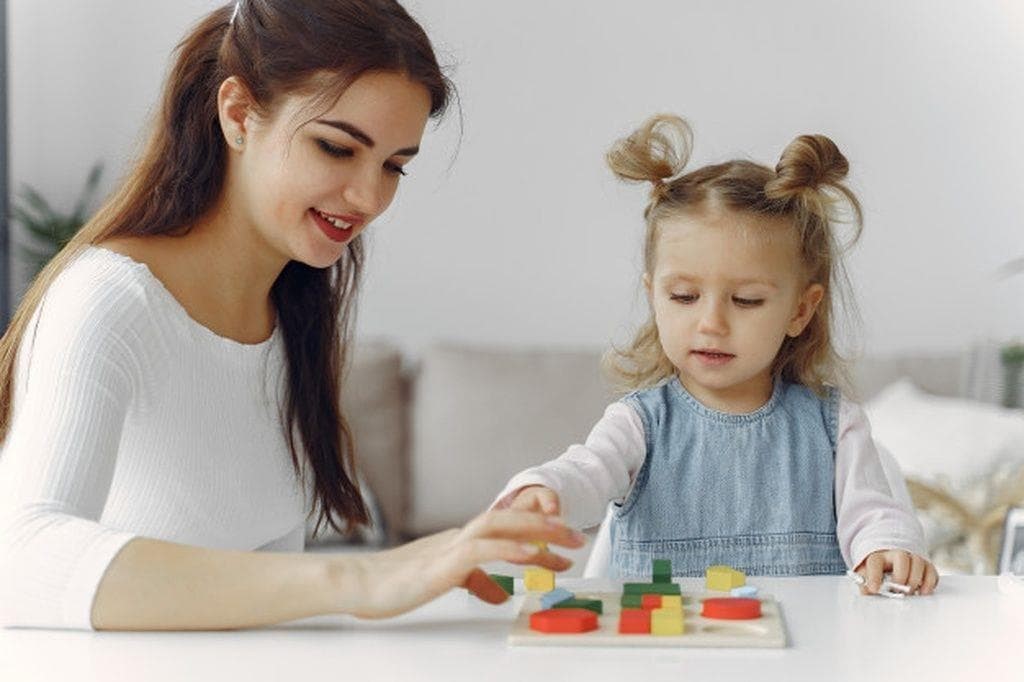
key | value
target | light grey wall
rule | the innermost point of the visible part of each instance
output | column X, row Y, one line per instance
column 524, row 237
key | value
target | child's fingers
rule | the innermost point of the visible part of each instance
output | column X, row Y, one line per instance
column 917, row 565
column 931, row 579
column 874, row 570
column 548, row 501
column 901, row 565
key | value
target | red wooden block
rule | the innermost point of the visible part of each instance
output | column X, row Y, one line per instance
column 731, row 608
column 563, row 620
column 635, row 622
column 650, row 601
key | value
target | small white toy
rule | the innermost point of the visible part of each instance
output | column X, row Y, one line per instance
column 888, row 588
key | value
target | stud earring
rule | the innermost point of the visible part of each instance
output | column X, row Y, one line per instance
column 239, row 140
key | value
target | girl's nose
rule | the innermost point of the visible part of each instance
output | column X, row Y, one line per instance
column 712, row 319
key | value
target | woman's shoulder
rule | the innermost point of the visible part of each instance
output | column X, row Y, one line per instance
column 97, row 275
column 97, row 289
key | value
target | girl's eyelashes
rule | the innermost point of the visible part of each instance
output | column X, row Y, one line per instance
column 745, row 302
column 344, row 152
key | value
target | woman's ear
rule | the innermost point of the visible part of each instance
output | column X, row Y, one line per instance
column 234, row 105
column 805, row 308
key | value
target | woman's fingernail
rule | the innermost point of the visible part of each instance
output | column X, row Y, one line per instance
column 555, row 521
column 529, row 549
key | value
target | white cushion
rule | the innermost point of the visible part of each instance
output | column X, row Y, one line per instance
column 942, row 439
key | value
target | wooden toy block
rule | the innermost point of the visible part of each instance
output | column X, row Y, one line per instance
column 634, row 622
column 538, row 579
column 631, row 601
column 744, row 591
column 555, row 596
column 651, row 588
column 649, row 602
column 506, row 582
column 667, row 622
column 723, row 578
column 731, row 608
column 594, row 605
column 662, row 571
column 631, row 627
column 563, row 620
column 671, row 601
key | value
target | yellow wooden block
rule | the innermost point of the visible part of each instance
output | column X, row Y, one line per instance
column 724, row 578
column 671, row 601
column 538, row 579
column 667, row 621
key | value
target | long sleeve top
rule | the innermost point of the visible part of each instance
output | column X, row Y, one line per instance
column 131, row 419
column 873, row 511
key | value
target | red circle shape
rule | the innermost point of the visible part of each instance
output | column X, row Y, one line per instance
column 731, row 608
column 563, row 620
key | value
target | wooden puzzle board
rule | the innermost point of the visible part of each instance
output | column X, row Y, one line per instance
column 768, row 631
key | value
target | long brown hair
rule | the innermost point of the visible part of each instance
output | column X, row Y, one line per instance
column 273, row 47
column 805, row 188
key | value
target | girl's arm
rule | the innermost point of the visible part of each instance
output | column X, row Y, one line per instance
column 587, row 477
column 872, row 507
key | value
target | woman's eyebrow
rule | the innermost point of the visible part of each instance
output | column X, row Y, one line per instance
column 363, row 137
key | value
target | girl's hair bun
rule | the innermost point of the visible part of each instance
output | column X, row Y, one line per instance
column 807, row 163
column 657, row 150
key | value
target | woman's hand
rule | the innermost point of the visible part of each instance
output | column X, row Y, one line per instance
column 904, row 568
column 391, row 582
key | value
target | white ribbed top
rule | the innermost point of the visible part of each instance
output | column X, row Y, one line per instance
column 132, row 419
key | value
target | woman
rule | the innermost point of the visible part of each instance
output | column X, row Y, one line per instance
column 170, row 396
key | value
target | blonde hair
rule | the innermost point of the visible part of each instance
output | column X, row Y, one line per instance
column 805, row 189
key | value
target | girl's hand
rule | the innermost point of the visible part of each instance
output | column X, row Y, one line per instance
column 537, row 498
column 388, row 583
column 904, row 568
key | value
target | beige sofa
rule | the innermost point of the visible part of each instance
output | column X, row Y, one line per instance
column 438, row 437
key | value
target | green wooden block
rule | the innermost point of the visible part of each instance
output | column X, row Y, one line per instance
column 651, row 588
column 591, row 604
column 505, row 581
column 662, row 571
column 632, row 601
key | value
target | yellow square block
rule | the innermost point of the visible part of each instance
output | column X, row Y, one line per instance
column 671, row 601
column 667, row 621
column 724, row 578
column 539, row 579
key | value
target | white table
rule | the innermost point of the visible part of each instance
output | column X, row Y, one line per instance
column 969, row 630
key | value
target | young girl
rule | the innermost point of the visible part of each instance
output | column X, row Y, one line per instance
column 169, row 385
column 734, row 445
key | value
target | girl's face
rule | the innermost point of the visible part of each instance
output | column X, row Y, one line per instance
column 307, row 192
column 726, row 290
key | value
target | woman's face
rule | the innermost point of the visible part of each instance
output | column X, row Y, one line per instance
column 310, row 190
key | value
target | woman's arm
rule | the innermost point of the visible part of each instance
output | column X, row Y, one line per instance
column 155, row 585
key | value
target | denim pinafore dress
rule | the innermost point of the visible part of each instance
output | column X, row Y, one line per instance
column 754, row 491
